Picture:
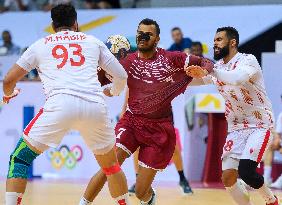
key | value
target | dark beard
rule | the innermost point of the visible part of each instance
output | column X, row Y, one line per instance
column 223, row 52
column 145, row 50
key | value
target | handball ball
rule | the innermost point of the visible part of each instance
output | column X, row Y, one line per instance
column 118, row 45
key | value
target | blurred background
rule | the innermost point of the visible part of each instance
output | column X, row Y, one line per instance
column 186, row 25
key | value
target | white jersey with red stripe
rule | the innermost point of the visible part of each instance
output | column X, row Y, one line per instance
column 240, row 82
column 67, row 63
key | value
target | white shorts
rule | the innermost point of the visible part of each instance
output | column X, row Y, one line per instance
column 62, row 113
column 248, row 143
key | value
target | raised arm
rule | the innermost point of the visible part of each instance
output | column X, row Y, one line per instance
column 111, row 65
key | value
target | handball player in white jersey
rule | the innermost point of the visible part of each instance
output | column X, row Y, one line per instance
column 67, row 63
column 239, row 80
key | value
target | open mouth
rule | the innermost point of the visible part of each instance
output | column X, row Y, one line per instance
column 216, row 49
column 142, row 42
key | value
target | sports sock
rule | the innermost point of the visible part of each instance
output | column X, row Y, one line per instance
column 181, row 175
column 267, row 194
column 122, row 200
column 151, row 201
column 13, row 198
column 267, row 172
column 239, row 194
column 84, row 201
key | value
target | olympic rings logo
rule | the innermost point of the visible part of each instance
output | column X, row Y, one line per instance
column 64, row 156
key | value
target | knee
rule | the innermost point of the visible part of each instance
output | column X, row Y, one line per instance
column 20, row 160
column 246, row 169
column 229, row 177
column 121, row 155
column 247, row 172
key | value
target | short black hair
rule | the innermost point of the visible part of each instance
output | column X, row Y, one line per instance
column 231, row 33
column 6, row 31
column 148, row 21
column 175, row 29
column 196, row 43
column 63, row 15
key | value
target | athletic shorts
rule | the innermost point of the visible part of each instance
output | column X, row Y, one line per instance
column 62, row 113
column 155, row 137
column 250, row 143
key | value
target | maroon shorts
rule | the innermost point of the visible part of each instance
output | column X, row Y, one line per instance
column 155, row 137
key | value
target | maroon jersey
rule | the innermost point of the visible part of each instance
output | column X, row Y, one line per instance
column 154, row 83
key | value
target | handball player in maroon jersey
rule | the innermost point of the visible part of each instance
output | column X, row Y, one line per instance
column 155, row 78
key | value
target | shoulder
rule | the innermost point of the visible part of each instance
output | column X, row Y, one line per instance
column 37, row 45
column 172, row 46
column 249, row 60
column 248, row 57
column 95, row 40
column 187, row 39
column 128, row 59
column 171, row 54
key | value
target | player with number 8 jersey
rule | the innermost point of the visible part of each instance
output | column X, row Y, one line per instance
column 67, row 63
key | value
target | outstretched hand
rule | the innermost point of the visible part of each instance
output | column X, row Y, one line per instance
column 195, row 71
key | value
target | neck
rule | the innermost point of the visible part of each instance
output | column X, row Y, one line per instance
column 230, row 56
column 64, row 29
column 147, row 54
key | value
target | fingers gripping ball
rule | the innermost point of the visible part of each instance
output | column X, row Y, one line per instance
column 119, row 47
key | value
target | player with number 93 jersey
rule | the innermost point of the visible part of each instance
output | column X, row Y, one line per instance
column 67, row 63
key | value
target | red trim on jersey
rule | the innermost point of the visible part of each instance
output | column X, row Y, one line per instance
column 112, row 170
column 122, row 202
column 264, row 144
column 32, row 122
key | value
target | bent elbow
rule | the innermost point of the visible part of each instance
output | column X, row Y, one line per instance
column 123, row 75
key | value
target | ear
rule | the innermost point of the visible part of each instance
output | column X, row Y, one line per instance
column 233, row 43
column 76, row 28
column 158, row 39
column 53, row 27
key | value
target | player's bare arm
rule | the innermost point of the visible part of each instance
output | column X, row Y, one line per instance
column 111, row 65
column 15, row 74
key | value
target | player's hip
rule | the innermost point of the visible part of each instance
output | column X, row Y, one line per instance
column 235, row 127
column 94, row 96
column 69, row 107
column 248, row 143
column 157, row 133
